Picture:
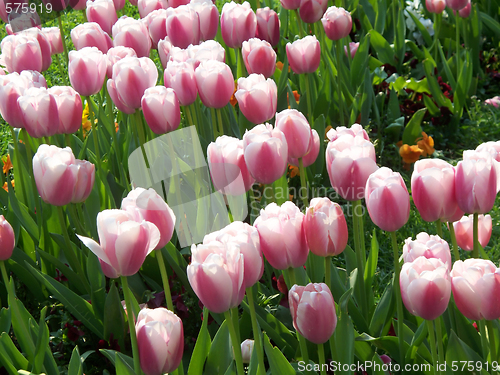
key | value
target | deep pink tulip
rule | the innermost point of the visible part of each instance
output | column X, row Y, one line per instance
column 103, row 12
column 354, row 130
column 304, row 55
column 12, row 86
column 209, row 18
column 387, row 199
column 132, row 33
column 180, row 77
column 131, row 77
column 238, row 23
column 313, row 311
column 177, row 3
column 297, row 132
column 311, row 11
column 312, row 155
column 495, row 101
column 69, row 108
column 114, row 55
column 435, row 6
column 208, row 50
column 476, row 288
column 427, row 246
column 465, row 11
column 119, row 4
column 325, row 227
column 247, row 238
column 216, row 275
column 227, row 165
column 214, row 77
column 164, row 47
column 160, row 339
column 145, row 7
column 259, row 57
column 78, row 4
column 337, row 23
column 90, row 34
column 282, row 235
column 265, row 151
column 350, row 160
column 433, row 189
column 457, row 4
column 476, row 183
column 161, row 110
column 156, row 23
column 464, row 231
column 257, row 98
column 133, row 2
column 183, row 26
column 7, row 239
column 20, row 53
column 39, row 112
column 124, row 242
column 353, row 48
column 87, row 70
column 268, row 25
column 425, row 287
column 290, row 4
column 53, row 35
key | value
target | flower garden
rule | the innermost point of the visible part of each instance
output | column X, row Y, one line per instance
column 292, row 187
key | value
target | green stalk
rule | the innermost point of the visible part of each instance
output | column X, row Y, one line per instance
column 439, row 341
column 256, row 331
column 309, row 101
column 451, row 228
column 300, row 338
column 432, row 342
column 302, row 173
column 339, row 81
column 214, row 124
column 131, row 324
column 84, row 14
column 164, row 279
column 484, row 341
column 360, row 256
column 437, row 24
column 321, row 356
column 491, row 337
column 5, row 276
column 328, row 271
column 236, row 344
column 219, row 120
column 61, row 29
column 241, row 70
column 273, row 197
column 17, row 167
column 73, row 213
column 236, row 322
column 457, row 19
column 399, row 302
column 299, row 22
column 29, row 155
column 475, row 236
column 439, row 229
column 188, row 116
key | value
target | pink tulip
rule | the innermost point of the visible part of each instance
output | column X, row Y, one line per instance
column 495, row 101
column 178, row 54
column 216, row 275
column 90, row 34
column 114, row 55
column 214, row 77
column 428, row 247
column 209, row 18
column 227, row 165
column 259, row 57
column 238, row 23
column 208, row 50
column 465, row 11
column 12, row 86
column 464, row 231
column 257, row 98
column 311, row 11
column 164, row 47
column 304, row 55
column 111, row 273
column 22, row 21
column 433, row 189
column 354, row 130
column 282, row 235
column 268, row 26
column 387, row 199
column 69, row 108
column 103, row 12
column 3, row 12
column 297, row 132
column 84, row 181
column 39, row 112
column 56, row 5
column 325, row 227
column 476, row 183
column 435, row 6
column 145, row 7
column 265, row 151
column 36, row 33
column 337, row 23
column 78, row 4
column 425, row 287
column 36, row 78
column 313, row 311
column 350, row 160
column 53, row 35
column 161, row 110
column 157, row 25
column 290, row 4
column 160, row 338
column 312, row 155
column 180, row 77
column 131, row 77
column 87, row 70
column 457, row 4
column 119, row 4
column 247, row 238
column 476, row 288
column 21, row 53
column 353, row 48
column 183, row 26
column 132, row 33
column 493, row 149
column 177, row 3
column 133, row 2
column 7, row 239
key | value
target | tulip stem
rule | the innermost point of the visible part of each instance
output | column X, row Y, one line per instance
column 310, row 114
column 359, row 249
column 84, row 15
column 440, row 340
column 451, row 228
column 299, row 22
column 164, row 279
column 475, row 236
column 65, row 48
column 491, row 337
column 321, row 357
column 328, row 271
column 219, row 120
column 339, row 81
column 214, row 124
column 17, row 167
column 236, row 344
column 236, row 322
column 240, row 69
column 399, row 302
column 484, row 339
column 432, row 342
column 131, row 324
column 188, row 116
column 439, row 229
column 256, row 331
column 457, row 19
column 437, row 28
column 303, row 183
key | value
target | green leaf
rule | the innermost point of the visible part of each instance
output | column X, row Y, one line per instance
column 122, row 366
column 22, row 213
column 395, row 127
column 42, row 342
column 4, row 361
column 416, row 341
column 112, row 355
column 200, row 351
column 383, row 312
column 457, row 351
column 75, row 363
column 385, row 53
column 490, row 23
column 360, row 61
column 5, row 320
column 220, row 354
column 97, row 286
column 281, row 190
column 422, row 29
column 277, row 361
column 114, row 322
column 413, row 130
column 371, row 264
column 23, row 324
column 11, row 353
column 431, row 106
column 344, row 334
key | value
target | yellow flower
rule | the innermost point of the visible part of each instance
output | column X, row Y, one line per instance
column 410, row 154
column 426, row 144
column 6, row 187
column 86, row 124
column 7, row 164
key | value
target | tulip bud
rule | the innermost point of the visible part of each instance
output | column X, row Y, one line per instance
column 87, row 70
column 353, row 48
column 354, row 130
column 85, row 178
column 310, row 11
column 183, row 26
column 114, row 55
column 238, row 23
column 156, row 23
column 214, row 76
column 132, row 33
column 312, row 155
column 160, row 107
column 428, row 247
column 21, row 53
column 90, row 34
column 435, row 6
column 103, row 12
column 7, row 239
column 246, row 350
column 337, row 23
column 257, row 98
column 268, row 26
column 457, row 4
column 53, row 35
column 495, row 101
column 13, row 86
column 164, row 47
column 39, row 112
column 259, row 57
column 465, row 11
column 145, row 7
column 297, row 132
column 290, row 4
column 181, row 78
column 464, row 231
column 208, row 50
column 69, row 108
column 304, row 55
column 208, row 15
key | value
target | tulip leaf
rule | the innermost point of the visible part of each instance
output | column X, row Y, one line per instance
column 114, row 322
column 112, row 355
column 5, row 320
column 360, row 62
column 417, row 339
column 371, row 266
column 75, row 363
column 465, row 330
column 458, row 351
column 413, row 129
column 384, row 51
column 23, row 215
column 11, row 354
column 490, row 22
column 7, row 364
column 201, row 350
column 383, row 313
column 277, row 361
column 16, row 263
column 449, row 75
column 97, row 285
column 42, row 343
column 281, row 190
column 220, row 354
column 422, row 29
column 123, row 367
column 344, row 334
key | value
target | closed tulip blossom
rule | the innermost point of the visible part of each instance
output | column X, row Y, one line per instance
column 177, row 3
column 35, row 33
column 493, row 149
column 312, row 155
column 325, row 227
column 183, row 26
column 304, row 55
column 3, row 12
column 257, row 98
column 282, row 235
column 354, row 130
column 246, row 350
column 7, row 239
column 160, row 339
column 297, row 132
column 208, row 15
column 39, row 112
column 350, row 160
column 427, row 246
column 69, row 108
column 337, row 23
column 87, row 70
column 53, row 35
column 103, row 12
column 90, row 34
column 78, row 4
column 164, row 47
column 12, row 86
column 259, row 57
column 84, row 181
column 124, row 242
column 476, row 288
column 465, row 11
column 132, row 33
column 290, row 4
column 425, row 287
column 353, row 48
column 268, row 26
column 464, row 231
column 161, row 110
column 311, row 11
column 208, row 50
column 180, row 77
column 145, row 7
column 227, row 165
column 114, row 55
column 435, row 6
column 266, row 152
column 238, row 23
column 214, row 77
column 387, row 199
column 313, row 311
column 216, row 275
column 21, row 53
column 156, row 22
column 457, row 4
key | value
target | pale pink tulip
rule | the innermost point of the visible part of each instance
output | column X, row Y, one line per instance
column 69, row 108
column 457, row 4
column 132, row 33
column 87, row 70
column 157, row 25
column 435, row 6
column 103, row 12
column 257, row 98
column 311, row 11
column 297, row 132
column 238, row 23
column 114, row 55
column 337, row 23
column 7, row 239
column 164, row 47
column 304, row 55
column 268, row 25
column 161, row 110
column 183, row 26
column 214, row 76
column 354, row 130
column 259, row 57
column 12, row 86
column 53, row 34
column 427, row 246
column 464, row 231
column 353, row 48
column 208, row 16
column 90, row 34
column 180, row 77
column 39, row 112
column 145, row 7
column 312, row 155
column 21, row 53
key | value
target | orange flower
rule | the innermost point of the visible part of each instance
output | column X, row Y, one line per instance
column 7, row 164
column 296, row 95
column 6, row 187
column 233, row 100
column 293, row 171
column 426, row 144
column 117, row 127
column 410, row 154
column 279, row 65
